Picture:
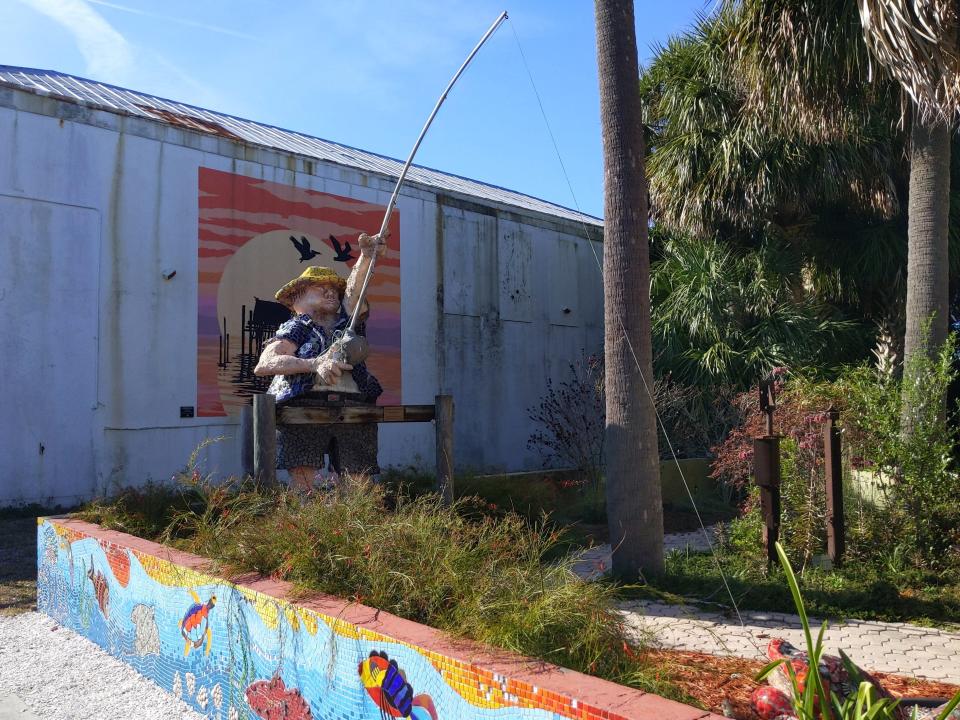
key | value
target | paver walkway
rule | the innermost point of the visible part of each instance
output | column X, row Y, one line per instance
column 888, row 647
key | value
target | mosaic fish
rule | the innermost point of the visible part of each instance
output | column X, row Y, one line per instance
column 119, row 561
column 387, row 685
column 100, row 589
column 272, row 700
column 147, row 636
column 50, row 544
column 195, row 626
column 67, row 547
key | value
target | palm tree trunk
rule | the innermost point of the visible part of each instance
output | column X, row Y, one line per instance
column 927, row 261
column 634, row 509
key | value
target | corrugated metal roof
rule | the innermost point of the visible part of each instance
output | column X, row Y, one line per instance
column 109, row 97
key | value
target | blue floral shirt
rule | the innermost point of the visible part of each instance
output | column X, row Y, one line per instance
column 311, row 342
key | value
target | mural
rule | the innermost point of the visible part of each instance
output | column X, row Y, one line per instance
column 254, row 235
column 235, row 654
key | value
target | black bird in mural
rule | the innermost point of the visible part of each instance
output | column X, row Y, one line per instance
column 343, row 251
column 303, row 246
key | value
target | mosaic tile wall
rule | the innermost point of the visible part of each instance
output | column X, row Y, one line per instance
column 232, row 653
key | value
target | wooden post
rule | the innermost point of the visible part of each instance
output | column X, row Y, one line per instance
column 444, row 420
column 265, row 439
column 834, row 480
column 246, row 440
column 766, row 469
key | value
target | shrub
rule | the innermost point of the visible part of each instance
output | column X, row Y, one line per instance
column 921, row 507
column 694, row 419
column 919, row 522
column 570, row 421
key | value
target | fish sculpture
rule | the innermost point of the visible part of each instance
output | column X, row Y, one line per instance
column 387, row 685
column 841, row 679
column 100, row 589
column 195, row 626
column 273, row 700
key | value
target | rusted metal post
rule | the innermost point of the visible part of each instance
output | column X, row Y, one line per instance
column 834, row 481
column 265, row 439
column 766, row 470
column 444, row 421
column 768, row 402
column 246, row 440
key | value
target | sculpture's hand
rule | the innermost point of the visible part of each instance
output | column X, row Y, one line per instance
column 372, row 244
column 329, row 370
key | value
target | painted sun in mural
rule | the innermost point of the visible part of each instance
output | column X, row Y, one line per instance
column 259, row 268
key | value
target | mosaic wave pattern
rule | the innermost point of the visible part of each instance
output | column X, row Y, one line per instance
column 233, row 653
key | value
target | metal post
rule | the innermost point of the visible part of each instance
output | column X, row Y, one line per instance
column 834, row 482
column 768, row 402
column 766, row 469
column 444, row 421
column 246, row 440
column 265, row 439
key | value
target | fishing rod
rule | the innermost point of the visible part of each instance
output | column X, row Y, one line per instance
column 349, row 346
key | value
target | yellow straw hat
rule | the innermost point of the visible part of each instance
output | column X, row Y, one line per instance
column 313, row 275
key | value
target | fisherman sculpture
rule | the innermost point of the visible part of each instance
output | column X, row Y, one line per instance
column 329, row 318
column 309, row 357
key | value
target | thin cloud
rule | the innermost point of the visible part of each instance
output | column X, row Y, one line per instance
column 105, row 51
column 179, row 21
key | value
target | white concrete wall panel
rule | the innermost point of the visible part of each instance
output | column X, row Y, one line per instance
column 515, row 269
column 48, row 320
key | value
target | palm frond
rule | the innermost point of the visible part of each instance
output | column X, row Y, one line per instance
column 917, row 42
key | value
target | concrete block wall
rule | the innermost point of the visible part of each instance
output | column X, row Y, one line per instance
column 240, row 648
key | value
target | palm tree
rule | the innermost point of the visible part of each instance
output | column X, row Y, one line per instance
column 721, row 162
column 634, row 509
column 781, row 247
column 723, row 316
column 799, row 48
column 918, row 45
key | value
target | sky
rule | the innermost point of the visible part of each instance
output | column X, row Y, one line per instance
column 364, row 73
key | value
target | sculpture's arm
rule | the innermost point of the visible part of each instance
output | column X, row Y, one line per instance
column 370, row 245
column 278, row 358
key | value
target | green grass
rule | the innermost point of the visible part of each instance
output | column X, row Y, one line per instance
column 855, row 590
column 556, row 496
column 485, row 573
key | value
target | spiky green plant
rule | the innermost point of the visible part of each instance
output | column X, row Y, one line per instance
column 723, row 316
column 810, row 699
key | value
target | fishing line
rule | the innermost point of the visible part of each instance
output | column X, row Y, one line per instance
column 626, row 337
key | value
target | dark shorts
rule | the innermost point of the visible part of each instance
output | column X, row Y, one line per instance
column 352, row 448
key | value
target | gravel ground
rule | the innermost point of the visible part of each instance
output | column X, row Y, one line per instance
column 58, row 674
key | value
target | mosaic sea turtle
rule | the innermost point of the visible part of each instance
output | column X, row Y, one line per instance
column 195, row 626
